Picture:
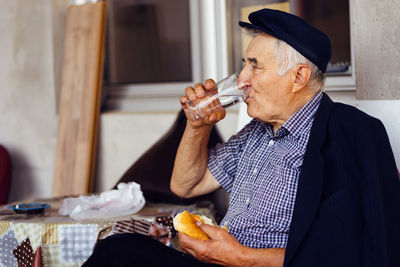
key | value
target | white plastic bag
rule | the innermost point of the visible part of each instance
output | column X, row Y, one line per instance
column 127, row 199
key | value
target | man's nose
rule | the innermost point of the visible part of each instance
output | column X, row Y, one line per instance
column 244, row 80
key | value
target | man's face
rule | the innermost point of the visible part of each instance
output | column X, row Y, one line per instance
column 270, row 95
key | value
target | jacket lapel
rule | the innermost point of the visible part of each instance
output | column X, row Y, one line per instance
column 310, row 180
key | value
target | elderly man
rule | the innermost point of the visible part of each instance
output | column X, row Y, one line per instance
column 311, row 182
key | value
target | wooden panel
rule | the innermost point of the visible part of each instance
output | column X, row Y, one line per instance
column 80, row 99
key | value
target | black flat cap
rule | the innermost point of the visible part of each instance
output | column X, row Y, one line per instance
column 305, row 38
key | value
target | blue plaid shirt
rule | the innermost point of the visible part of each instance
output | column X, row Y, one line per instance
column 260, row 171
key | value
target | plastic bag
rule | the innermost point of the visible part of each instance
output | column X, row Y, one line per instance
column 127, row 199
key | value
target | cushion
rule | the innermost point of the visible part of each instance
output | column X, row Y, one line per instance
column 5, row 174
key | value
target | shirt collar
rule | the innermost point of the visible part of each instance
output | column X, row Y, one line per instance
column 296, row 124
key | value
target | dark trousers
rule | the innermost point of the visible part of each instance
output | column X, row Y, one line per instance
column 138, row 250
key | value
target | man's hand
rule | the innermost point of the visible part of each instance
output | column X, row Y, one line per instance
column 199, row 91
column 190, row 176
column 222, row 248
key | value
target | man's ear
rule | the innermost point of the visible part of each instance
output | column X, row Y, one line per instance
column 302, row 76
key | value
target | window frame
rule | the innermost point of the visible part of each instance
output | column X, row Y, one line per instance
column 142, row 96
column 348, row 82
column 209, row 56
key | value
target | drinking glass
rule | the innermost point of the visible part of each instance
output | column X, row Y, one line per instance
column 225, row 93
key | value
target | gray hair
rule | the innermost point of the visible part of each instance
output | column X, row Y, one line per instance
column 288, row 58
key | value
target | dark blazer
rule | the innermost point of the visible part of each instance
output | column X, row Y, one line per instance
column 347, row 207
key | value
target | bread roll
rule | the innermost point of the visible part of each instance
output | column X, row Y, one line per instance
column 185, row 222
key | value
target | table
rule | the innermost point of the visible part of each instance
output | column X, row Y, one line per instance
column 51, row 239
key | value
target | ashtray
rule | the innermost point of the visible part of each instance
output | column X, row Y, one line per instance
column 29, row 208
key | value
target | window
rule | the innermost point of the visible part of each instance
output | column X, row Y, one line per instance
column 151, row 51
column 155, row 48
column 148, row 42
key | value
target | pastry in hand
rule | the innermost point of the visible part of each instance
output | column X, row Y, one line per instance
column 185, row 222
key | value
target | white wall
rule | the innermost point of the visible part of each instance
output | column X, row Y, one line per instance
column 28, row 121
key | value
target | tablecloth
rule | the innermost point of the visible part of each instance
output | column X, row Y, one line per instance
column 62, row 241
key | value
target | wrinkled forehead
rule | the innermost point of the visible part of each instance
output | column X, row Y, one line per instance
column 261, row 45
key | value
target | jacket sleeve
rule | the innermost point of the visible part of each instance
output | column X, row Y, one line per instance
column 380, row 196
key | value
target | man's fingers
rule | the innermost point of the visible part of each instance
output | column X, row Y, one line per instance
column 199, row 90
column 220, row 115
column 212, row 117
column 183, row 100
column 190, row 93
column 196, row 247
column 211, row 231
column 209, row 84
column 211, row 113
column 189, row 243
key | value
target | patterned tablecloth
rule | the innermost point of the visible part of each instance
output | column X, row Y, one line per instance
column 51, row 239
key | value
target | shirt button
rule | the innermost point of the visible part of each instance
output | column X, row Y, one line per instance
column 255, row 171
column 271, row 142
column 247, row 201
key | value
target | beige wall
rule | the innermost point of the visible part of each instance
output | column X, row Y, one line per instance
column 27, row 113
column 377, row 52
column 30, row 42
